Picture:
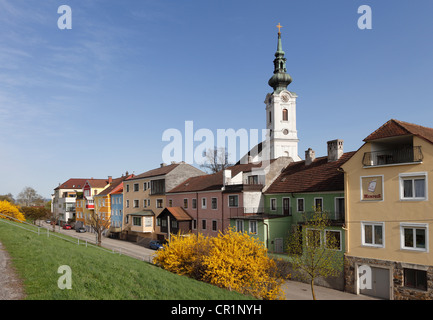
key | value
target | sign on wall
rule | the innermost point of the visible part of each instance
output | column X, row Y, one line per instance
column 372, row 188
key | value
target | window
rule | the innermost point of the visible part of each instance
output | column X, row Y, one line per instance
column 313, row 238
column 285, row 115
column 253, row 179
column 148, row 221
column 253, row 226
column 136, row 204
column 240, row 225
column 203, row 224
column 413, row 186
column 214, row 204
column 333, row 239
column 416, row 279
column 318, row 204
column 372, row 234
column 273, row 204
column 194, row 224
column 159, row 203
column 145, row 203
column 170, row 203
column 144, row 186
column 174, row 224
column 233, row 201
column 203, row 203
column 136, row 187
column 194, row 203
column 136, row 221
column 158, row 186
column 127, row 203
column 214, row 225
column 414, row 236
column 148, row 202
column 185, row 203
column 127, row 188
column 300, row 205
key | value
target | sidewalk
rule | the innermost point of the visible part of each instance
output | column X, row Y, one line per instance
column 295, row 290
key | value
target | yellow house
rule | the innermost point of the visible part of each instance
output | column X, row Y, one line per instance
column 86, row 203
column 389, row 213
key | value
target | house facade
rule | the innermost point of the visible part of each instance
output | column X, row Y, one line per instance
column 388, row 213
column 86, row 201
column 213, row 200
column 63, row 200
column 144, row 198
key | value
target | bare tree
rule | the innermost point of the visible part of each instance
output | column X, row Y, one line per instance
column 217, row 159
column 29, row 197
column 98, row 224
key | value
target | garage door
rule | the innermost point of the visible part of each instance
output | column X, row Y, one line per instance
column 380, row 284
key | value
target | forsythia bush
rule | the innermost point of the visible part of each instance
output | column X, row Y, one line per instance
column 232, row 260
column 11, row 210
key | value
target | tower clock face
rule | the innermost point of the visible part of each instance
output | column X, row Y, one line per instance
column 285, row 98
column 285, row 132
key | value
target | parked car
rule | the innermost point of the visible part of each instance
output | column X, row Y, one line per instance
column 67, row 227
column 81, row 230
column 155, row 245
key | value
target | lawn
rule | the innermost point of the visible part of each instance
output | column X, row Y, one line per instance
column 96, row 274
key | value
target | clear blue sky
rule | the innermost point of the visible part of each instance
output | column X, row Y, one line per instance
column 94, row 101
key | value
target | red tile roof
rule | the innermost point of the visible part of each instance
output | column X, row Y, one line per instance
column 394, row 128
column 178, row 212
column 319, row 176
column 114, row 185
column 156, row 172
column 73, row 183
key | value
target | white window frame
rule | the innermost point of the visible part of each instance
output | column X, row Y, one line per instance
column 148, row 222
column 270, row 204
column 314, row 203
column 253, row 225
column 214, row 221
column 216, row 203
column 162, row 203
column 297, row 204
column 204, row 204
column 314, row 229
column 406, row 225
column 240, row 222
column 341, row 240
column 136, row 202
column 412, row 176
column 372, row 223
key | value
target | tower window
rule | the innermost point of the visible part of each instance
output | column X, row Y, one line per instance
column 285, row 115
column 270, row 117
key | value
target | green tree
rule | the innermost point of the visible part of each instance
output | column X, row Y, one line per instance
column 314, row 251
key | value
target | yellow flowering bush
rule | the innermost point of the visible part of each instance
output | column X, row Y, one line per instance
column 11, row 210
column 231, row 260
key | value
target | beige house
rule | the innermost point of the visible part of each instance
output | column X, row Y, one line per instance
column 389, row 213
column 144, row 197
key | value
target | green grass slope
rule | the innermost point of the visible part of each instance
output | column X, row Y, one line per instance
column 96, row 274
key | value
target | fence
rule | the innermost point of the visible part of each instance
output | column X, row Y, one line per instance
column 85, row 242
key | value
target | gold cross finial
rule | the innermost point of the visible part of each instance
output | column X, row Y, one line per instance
column 279, row 28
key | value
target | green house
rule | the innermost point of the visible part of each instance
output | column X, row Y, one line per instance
column 300, row 189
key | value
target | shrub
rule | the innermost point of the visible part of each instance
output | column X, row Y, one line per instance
column 8, row 209
column 231, row 260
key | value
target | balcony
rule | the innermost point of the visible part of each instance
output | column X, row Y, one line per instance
column 393, row 156
column 90, row 204
column 242, row 212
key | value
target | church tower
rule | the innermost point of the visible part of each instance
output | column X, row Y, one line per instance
column 281, row 110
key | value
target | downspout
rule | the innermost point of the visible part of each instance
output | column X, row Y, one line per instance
column 196, row 210
column 267, row 234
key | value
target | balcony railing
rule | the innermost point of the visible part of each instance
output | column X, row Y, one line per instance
column 244, row 211
column 393, row 156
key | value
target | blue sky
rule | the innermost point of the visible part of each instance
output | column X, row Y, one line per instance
column 95, row 100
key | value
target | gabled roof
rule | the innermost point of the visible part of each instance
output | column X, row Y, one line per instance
column 212, row 181
column 97, row 183
column 319, row 176
column 114, row 186
column 394, row 128
column 156, row 172
column 178, row 213
column 73, row 183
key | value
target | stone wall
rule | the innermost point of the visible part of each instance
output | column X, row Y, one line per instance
column 399, row 291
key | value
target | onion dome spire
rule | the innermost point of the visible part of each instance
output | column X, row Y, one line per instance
column 281, row 79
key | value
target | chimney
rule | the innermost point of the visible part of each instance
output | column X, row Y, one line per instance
column 110, row 179
column 310, row 155
column 335, row 149
column 250, row 159
column 163, row 165
column 227, row 177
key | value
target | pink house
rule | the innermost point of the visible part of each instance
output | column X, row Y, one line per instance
column 212, row 200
